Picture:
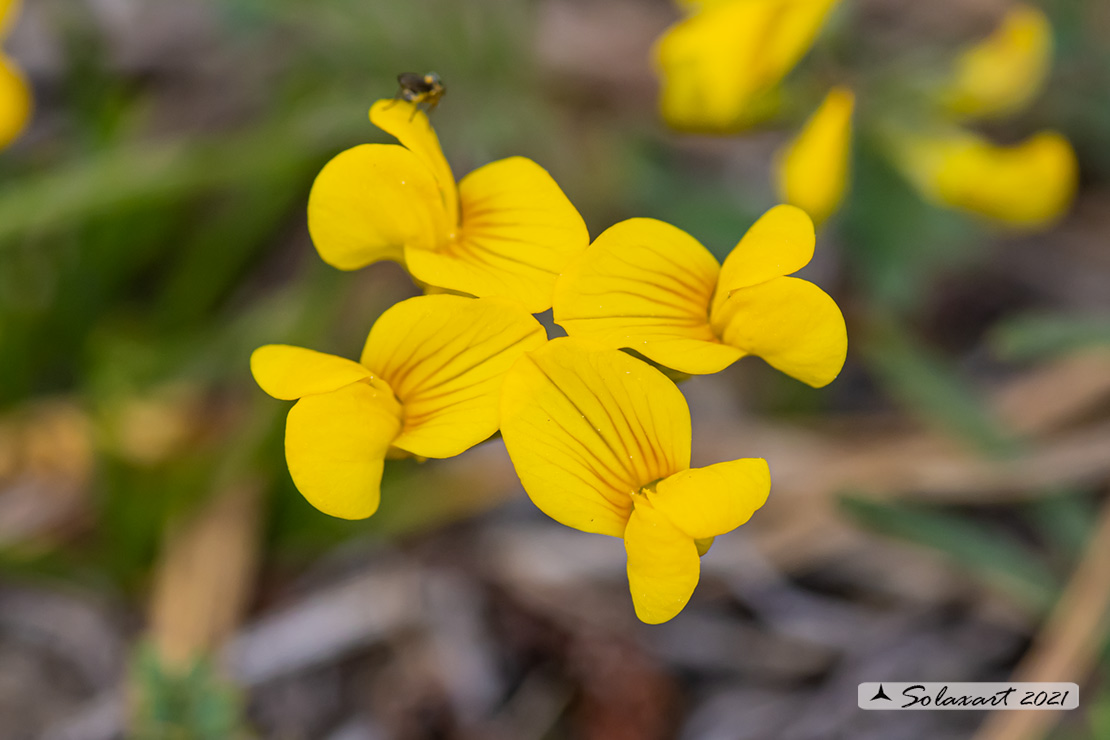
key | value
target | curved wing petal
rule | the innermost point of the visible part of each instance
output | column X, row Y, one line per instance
column 663, row 565
column 791, row 323
column 781, row 242
column 411, row 127
column 335, row 444
column 446, row 357
column 707, row 502
column 645, row 285
column 518, row 233
column 288, row 372
column 370, row 202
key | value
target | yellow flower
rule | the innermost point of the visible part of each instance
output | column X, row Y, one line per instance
column 692, row 5
column 1002, row 73
column 716, row 64
column 506, row 230
column 427, row 384
column 1028, row 185
column 601, row 442
column 15, row 95
column 648, row 286
column 812, row 171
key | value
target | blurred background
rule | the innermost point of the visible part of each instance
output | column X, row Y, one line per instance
column 938, row 513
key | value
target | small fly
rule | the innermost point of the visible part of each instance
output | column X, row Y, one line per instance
column 425, row 89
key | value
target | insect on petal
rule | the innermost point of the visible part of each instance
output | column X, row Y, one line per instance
column 645, row 285
column 587, row 427
column 791, row 323
column 518, row 232
column 446, row 357
column 663, row 565
column 335, row 444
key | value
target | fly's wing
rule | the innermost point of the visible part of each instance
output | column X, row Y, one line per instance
column 413, row 82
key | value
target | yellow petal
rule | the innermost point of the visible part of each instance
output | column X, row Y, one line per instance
column 645, row 285
column 586, row 427
column 335, row 444
column 1002, row 73
column 1028, row 185
column 701, row 60
column 812, row 171
column 370, row 202
column 15, row 102
column 288, row 372
column 446, row 357
column 707, row 502
column 779, row 243
column 692, row 6
column 792, row 30
column 410, row 126
column 518, row 233
column 663, row 565
column 695, row 5
column 9, row 10
column 715, row 64
column 791, row 323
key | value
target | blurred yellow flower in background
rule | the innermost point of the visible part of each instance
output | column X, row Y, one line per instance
column 1028, row 185
column 427, row 384
column 1002, row 73
column 717, row 64
column 506, row 230
column 15, row 94
column 811, row 172
column 649, row 286
column 720, row 63
column 601, row 442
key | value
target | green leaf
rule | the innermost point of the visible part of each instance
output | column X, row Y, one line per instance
column 1065, row 519
column 1099, row 713
column 895, row 242
column 988, row 553
column 190, row 703
column 1042, row 336
column 932, row 389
